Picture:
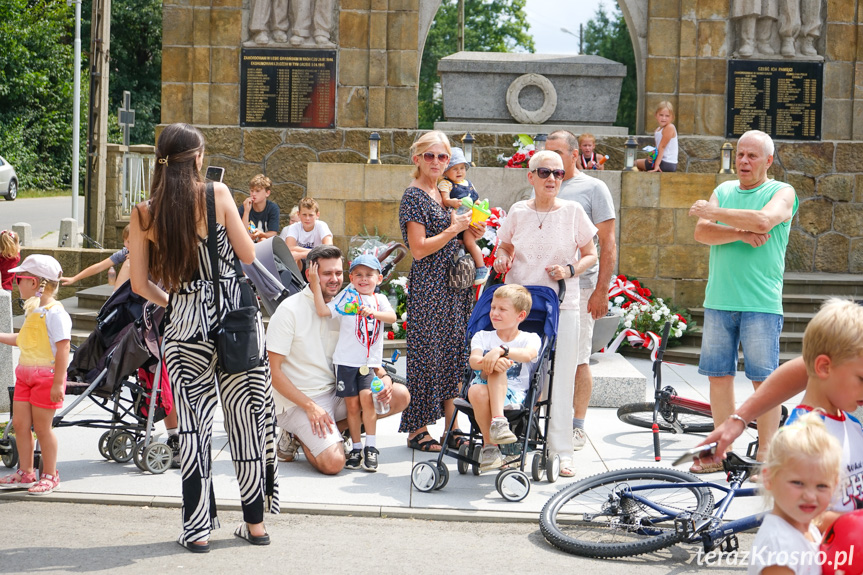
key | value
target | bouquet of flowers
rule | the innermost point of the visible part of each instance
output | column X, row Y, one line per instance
column 525, row 149
column 397, row 290
column 644, row 315
column 488, row 242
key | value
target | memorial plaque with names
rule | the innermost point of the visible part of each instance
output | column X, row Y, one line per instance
column 780, row 98
column 288, row 88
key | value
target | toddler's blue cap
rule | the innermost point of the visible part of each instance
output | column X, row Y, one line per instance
column 367, row 260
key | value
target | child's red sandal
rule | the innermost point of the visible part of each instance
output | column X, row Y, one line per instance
column 18, row 480
column 46, row 484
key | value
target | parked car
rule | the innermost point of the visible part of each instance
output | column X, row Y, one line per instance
column 8, row 180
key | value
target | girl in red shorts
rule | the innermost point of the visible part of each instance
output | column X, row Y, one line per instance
column 40, row 378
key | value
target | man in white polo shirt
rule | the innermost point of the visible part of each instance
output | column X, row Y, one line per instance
column 300, row 345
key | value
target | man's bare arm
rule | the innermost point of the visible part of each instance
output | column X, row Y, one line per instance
column 779, row 209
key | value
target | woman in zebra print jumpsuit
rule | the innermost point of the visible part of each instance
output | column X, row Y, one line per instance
column 168, row 245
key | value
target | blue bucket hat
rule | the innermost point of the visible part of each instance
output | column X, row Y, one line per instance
column 367, row 260
column 457, row 158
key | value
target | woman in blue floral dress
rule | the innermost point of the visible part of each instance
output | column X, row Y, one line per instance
column 437, row 313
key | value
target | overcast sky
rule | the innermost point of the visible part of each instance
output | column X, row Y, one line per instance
column 547, row 17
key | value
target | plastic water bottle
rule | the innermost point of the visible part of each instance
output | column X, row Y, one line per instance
column 381, row 408
column 112, row 276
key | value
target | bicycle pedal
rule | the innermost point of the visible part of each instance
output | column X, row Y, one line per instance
column 684, row 526
column 729, row 544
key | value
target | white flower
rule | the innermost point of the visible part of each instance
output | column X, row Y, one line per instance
column 485, row 252
column 405, row 316
column 656, row 317
column 627, row 324
column 618, row 300
column 678, row 333
column 396, row 327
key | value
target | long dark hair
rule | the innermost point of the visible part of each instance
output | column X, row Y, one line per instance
column 176, row 206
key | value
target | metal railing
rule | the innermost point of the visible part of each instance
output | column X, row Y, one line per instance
column 136, row 175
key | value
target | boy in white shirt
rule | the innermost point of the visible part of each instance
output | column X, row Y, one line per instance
column 307, row 233
column 501, row 361
column 359, row 350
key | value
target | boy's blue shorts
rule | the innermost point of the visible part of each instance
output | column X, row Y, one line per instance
column 513, row 396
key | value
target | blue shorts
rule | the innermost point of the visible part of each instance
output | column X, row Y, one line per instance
column 513, row 396
column 724, row 331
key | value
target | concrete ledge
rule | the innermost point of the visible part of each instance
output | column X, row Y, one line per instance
column 615, row 381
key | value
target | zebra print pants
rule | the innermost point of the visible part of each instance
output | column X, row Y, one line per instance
column 249, row 412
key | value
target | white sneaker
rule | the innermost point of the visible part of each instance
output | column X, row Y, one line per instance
column 579, row 438
column 288, row 447
column 500, row 432
column 490, row 458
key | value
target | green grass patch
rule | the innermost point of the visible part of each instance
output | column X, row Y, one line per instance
column 49, row 193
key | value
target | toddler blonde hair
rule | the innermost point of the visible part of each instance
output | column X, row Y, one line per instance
column 518, row 295
column 588, row 136
column 665, row 105
column 836, row 331
column 10, row 246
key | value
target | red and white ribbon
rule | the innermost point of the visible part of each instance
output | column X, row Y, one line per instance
column 628, row 288
column 636, row 339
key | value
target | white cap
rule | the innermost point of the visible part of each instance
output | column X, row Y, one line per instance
column 41, row 266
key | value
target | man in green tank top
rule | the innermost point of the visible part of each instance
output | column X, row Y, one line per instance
column 746, row 224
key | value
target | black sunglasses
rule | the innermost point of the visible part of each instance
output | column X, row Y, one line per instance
column 544, row 173
column 442, row 158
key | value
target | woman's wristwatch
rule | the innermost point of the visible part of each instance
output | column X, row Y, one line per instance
column 571, row 270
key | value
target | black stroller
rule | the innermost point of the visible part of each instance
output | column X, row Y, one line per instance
column 528, row 421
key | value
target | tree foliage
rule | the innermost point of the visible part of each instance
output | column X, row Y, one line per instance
column 36, row 90
column 490, row 26
column 609, row 37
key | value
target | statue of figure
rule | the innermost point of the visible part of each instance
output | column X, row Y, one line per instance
column 311, row 18
column 800, row 19
column 269, row 16
column 756, row 18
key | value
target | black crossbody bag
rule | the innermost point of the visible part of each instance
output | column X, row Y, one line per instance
column 237, row 338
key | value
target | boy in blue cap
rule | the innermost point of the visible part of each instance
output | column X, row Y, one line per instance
column 361, row 313
column 453, row 187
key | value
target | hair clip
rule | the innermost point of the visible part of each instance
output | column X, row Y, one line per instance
column 163, row 161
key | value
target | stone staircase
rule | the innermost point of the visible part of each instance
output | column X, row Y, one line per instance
column 802, row 295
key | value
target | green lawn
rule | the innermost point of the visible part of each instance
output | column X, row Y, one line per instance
column 51, row 193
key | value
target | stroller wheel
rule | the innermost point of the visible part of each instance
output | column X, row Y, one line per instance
column 122, row 447
column 513, row 484
column 425, row 476
column 157, row 458
column 537, row 466
column 9, row 452
column 477, row 449
column 443, row 476
column 104, row 442
column 463, row 452
column 138, row 456
column 552, row 468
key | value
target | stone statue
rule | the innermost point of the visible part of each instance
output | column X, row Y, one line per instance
column 269, row 17
column 311, row 19
column 799, row 27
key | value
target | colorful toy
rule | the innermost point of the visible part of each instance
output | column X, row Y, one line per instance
column 480, row 209
column 652, row 152
column 252, row 228
column 349, row 302
column 602, row 159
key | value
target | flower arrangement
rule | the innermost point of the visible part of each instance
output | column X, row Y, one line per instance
column 644, row 315
column 525, row 149
column 488, row 242
column 397, row 290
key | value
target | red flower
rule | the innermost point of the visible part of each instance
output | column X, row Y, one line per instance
column 626, row 304
column 622, row 278
column 391, row 335
column 530, row 154
column 405, row 325
column 681, row 318
column 518, row 157
column 636, row 284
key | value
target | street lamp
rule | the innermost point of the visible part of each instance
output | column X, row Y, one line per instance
column 629, row 152
column 76, row 106
column 467, row 141
column 374, row 141
column 539, row 142
column 727, row 151
column 580, row 36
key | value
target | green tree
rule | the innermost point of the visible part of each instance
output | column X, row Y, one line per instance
column 36, row 64
column 490, row 26
column 609, row 37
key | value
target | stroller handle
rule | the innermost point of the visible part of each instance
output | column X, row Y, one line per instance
column 494, row 278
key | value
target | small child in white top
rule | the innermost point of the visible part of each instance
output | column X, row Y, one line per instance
column 310, row 232
column 801, row 474
column 359, row 351
column 501, row 362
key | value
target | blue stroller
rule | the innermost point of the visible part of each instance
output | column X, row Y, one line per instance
column 529, row 421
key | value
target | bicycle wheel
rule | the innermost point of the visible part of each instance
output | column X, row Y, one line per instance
column 601, row 517
column 641, row 415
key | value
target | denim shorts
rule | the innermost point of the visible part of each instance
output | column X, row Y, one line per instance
column 513, row 396
column 724, row 331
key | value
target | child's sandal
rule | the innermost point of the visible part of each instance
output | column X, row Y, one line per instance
column 18, row 480
column 46, row 484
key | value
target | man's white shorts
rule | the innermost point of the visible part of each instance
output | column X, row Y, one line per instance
column 295, row 421
column 585, row 327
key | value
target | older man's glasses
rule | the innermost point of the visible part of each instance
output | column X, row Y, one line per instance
column 544, row 173
column 442, row 158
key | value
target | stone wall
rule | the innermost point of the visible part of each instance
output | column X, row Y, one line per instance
column 72, row 260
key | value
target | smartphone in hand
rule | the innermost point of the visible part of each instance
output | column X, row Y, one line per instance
column 215, row 174
column 700, row 451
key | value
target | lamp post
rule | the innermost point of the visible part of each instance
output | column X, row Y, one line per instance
column 539, row 142
column 580, row 36
column 467, row 142
column 76, row 106
column 726, row 151
column 374, row 143
column 630, row 149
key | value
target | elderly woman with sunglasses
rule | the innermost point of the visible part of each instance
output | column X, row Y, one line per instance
column 544, row 240
column 437, row 313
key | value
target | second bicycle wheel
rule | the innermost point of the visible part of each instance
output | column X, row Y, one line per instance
column 600, row 516
column 641, row 415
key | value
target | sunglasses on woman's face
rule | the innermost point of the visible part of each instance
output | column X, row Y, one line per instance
column 544, row 173
column 19, row 278
column 442, row 158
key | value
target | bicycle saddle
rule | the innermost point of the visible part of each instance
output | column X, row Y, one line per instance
column 738, row 463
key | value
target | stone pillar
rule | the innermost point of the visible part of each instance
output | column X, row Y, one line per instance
column 68, row 233
column 25, row 233
column 7, row 378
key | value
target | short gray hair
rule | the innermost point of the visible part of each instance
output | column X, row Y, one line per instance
column 568, row 138
column 766, row 140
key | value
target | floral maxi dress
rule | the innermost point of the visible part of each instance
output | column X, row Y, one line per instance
column 437, row 318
